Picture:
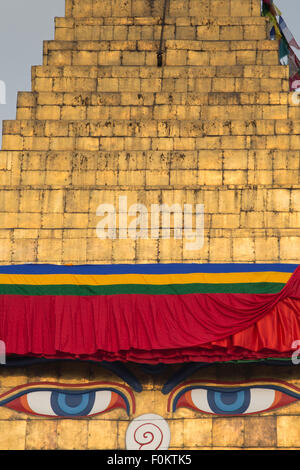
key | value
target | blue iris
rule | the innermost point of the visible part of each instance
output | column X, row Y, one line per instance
column 72, row 404
column 228, row 402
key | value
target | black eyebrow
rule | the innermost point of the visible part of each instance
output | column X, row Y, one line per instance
column 118, row 368
column 189, row 369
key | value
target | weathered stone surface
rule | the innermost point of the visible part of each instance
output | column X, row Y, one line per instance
column 215, row 125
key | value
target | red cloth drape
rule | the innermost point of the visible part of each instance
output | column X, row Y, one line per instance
column 153, row 328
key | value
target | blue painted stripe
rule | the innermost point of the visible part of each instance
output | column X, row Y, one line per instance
column 173, row 268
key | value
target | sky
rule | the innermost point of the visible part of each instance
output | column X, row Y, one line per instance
column 24, row 24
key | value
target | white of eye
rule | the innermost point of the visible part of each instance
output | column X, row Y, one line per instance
column 40, row 403
column 199, row 398
column 260, row 399
column 102, row 401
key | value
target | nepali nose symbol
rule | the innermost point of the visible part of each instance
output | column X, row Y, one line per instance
column 148, row 432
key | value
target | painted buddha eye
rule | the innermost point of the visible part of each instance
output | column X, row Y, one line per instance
column 225, row 399
column 68, row 401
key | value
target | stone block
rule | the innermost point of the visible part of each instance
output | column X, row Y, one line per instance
column 102, row 434
column 72, row 434
column 228, row 432
column 14, row 436
column 201, row 438
column 288, row 432
column 41, row 435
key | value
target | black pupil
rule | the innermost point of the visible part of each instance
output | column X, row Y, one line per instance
column 228, row 398
column 73, row 400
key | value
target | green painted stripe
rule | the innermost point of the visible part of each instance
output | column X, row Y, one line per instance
column 249, row 361
column 174, row 289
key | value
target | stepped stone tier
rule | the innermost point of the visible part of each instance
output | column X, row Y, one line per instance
column 215, row 125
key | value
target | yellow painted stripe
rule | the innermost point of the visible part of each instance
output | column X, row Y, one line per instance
column 146, row 279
